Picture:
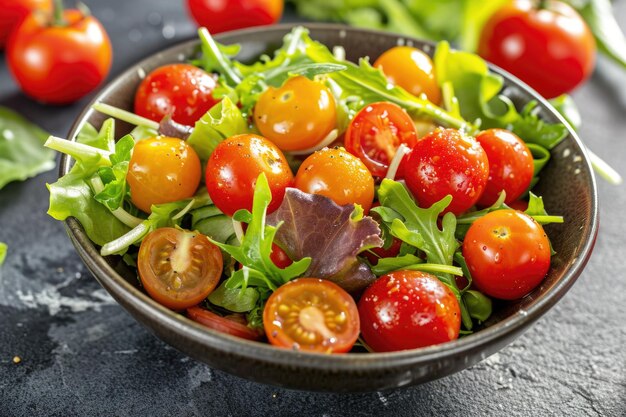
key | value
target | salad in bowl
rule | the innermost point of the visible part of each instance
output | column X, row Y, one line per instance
column 316, row 204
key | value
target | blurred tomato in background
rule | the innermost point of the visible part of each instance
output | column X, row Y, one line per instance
column 12, row 12
column 224, row 15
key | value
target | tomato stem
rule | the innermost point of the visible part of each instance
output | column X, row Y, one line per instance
column 58, row 13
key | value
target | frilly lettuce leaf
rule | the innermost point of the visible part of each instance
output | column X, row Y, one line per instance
column 331, row 235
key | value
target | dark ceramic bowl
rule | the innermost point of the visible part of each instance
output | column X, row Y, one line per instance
column 567, row 185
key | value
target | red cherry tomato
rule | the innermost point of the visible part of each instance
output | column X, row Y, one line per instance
column 233, row 325
column 178, row 268
column 447, row 162
column 410, row 69
column 550, row 48
column 510, row 165
column 162, row 170
column 223, row 15
column 338, row 175
column 14, row 11
column 279, row 257
column 508, row 254
column 313, row 315
column 234, row 166
column 182, row 90
column 59, row 64
column 407, row 310
column 375, row 134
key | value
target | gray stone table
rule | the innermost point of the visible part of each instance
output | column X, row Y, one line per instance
column 82, row 354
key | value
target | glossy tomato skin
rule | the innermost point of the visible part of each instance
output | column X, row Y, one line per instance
column 178, row 268
column 410, row 69
column 296, row 116
column 226, row 325
column 14, row 11
column 162, row 170
column 311, row 314
column 510, row 165
column 338, row 175
column 407, row 310
column 182, row 90
column 234, row 166
column 551, row 49
column 447, row 162
column 508, row 254
column 376, row 132
column 59, row 64
column 224, row 15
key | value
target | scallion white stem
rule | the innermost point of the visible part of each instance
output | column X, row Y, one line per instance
column 603, row 169
column 125, row 116
column 119, row 213
column 392, row 171
column 121, row 243
column 78, row 151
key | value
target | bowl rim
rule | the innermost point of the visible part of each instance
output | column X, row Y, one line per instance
column 122, row 290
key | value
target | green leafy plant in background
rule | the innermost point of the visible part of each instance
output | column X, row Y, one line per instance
column 22, row 154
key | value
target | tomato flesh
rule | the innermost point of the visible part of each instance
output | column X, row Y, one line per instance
column 296, row 116
column 375, row 134
column 338, row 175
column 447, row 162
column 234, row 166
column 234, row 326
column 508, row 254
column 311, row 314
column 407, row 310
column 162, row 170
column 551, row 48
column 178, row 268
column 183, row 91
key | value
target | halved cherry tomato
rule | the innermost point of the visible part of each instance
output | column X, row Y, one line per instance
column 223, row 15
column 375, row 134
column 296, row 116
column 311, row 314
column 508, row 254
column 408, row 310
column 162, row 170
column 510, row 165
column 545, row 43
column 59, row 64
column 182, row 90
column 178, row 268
column 232, row 325
column 338, row 175
column 447, row 162
column 234, row 166
column 410, row 69
column 14, row 11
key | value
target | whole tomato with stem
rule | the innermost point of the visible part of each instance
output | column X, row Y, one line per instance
column 224, row 15
column 507, row 253
column 182, row 90
column 407, row 310
column 544, row 43
column 14, row 11
column 59, row 60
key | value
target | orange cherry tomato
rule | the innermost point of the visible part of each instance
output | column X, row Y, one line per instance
column 410, row 69
column 14, row 11
column 178, row 268
column 311, row 314
column 296, row 116
column 338, row 175
column 233, row 325
column 59, row 64
column 162, row 170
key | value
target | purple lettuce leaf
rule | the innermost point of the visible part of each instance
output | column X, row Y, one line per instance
column 314, row 226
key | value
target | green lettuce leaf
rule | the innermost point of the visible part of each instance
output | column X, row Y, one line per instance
column 331, row 235
column 22, row 154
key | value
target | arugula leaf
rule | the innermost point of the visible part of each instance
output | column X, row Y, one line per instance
column 3, row 252
column 538, row 212
column 21, row 152
column 114, row 177
column 332, row 236
column 478, row 305
column 222, row 121
column 532, row 129
column 255, row 248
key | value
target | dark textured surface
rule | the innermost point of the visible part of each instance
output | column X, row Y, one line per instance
column 83, row 355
